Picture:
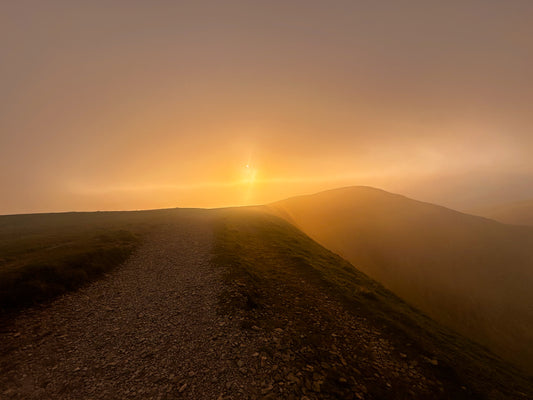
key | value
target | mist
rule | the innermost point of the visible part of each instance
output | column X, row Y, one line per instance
column 127, row 106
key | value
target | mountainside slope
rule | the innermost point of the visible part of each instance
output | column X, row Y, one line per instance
column 518, row 213
column 45, row 255
column 330, row 332
column 467, row 272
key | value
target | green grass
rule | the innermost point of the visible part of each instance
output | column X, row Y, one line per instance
column 49, row 270
column 264, row 253
column 45, row 255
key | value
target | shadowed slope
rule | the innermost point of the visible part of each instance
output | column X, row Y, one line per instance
column 468, row 272
column 330, row 332
column 45, row 255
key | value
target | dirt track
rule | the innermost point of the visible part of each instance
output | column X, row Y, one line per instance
column 147, row 330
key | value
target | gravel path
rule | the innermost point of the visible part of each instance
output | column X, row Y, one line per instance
column 150, row 329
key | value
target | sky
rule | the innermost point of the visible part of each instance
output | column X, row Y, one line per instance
column 115, row 105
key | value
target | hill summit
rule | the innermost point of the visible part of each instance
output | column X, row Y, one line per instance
column 470, row 273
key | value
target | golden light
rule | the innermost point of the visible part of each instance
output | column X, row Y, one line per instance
column 249, row 178
column 249, row 174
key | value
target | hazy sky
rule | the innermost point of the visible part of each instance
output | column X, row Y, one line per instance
column 148, row 104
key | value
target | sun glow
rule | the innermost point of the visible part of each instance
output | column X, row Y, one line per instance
column 249, row 178
column 249, row 174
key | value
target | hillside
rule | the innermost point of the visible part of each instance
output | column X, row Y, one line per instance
column 45, row 255
column 517, row 213
column 467, row 272
column 330, row 332
column 220, row 304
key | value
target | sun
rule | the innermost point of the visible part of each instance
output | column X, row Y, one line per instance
column 249, row 174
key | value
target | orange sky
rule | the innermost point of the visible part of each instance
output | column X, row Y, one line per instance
column 132, row 105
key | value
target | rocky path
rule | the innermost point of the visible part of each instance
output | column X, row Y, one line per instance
column 148, row 330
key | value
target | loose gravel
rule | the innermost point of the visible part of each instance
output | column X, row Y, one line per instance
column 148, row 330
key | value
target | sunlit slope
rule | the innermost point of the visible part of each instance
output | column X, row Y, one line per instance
column 339, row 334
column 518, row 213
column 473, row 274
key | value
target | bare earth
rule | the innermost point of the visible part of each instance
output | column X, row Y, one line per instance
column 148, row 330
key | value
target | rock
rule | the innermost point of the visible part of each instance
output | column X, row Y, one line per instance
column 292, row 378
column 267, row 389
column 317, row 377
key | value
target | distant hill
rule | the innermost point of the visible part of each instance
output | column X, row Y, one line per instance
column 470, row 273
column 517, row 213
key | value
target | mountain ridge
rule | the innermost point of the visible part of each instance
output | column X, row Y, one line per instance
column 470, row 273
column 276, row 315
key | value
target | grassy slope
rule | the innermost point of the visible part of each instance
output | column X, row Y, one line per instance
column 279, row 278
column 44, row 255
column 470, row 273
